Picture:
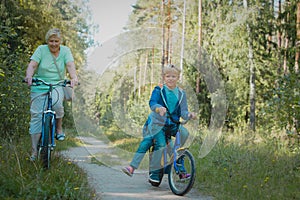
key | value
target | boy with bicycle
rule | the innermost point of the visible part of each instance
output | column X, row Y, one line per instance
column 168, row 103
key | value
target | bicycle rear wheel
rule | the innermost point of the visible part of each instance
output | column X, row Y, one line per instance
column 181, row 186
column 45, row 150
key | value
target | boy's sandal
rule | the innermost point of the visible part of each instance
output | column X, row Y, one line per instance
column 127, row 171
column 60, row 137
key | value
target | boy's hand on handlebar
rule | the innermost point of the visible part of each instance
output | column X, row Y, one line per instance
column 161, row 110
column 192, row 115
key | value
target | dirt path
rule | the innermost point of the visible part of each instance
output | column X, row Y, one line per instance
column 110, row 183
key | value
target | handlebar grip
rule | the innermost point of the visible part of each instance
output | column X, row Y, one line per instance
column 34, row 80
column 69, row 82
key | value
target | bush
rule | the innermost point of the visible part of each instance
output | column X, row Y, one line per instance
column 23, row 179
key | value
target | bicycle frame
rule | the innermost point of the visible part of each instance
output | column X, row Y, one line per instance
column 174, row 150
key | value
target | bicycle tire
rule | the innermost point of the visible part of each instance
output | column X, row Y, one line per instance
column 45, row 150
column 182, row 186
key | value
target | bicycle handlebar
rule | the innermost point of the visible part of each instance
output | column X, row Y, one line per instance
column 63, row 83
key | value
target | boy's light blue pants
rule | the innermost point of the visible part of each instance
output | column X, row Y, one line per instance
column 159, row 145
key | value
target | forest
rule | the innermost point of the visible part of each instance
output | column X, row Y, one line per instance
column 239, row 58
column 239, row 62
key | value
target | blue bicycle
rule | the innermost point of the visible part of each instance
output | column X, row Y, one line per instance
column 47, row 141
column 179, row 164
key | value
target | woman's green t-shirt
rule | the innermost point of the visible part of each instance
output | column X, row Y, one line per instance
column 46, row 66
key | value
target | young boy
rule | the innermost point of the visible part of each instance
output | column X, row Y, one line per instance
column 168, row 103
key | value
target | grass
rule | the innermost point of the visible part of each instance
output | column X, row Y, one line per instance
column 243, row 170
column 23, row 179
column 240, row 168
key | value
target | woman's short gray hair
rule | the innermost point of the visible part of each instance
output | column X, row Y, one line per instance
column 53, row 31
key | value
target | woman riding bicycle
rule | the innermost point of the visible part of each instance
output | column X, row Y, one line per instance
column 48, row 62
column 168, row 103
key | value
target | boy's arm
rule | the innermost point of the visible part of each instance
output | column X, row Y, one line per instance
column 185, row 114
column 154, row 104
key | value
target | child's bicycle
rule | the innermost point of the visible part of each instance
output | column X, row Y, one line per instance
column 47, row 142
column 180, row 166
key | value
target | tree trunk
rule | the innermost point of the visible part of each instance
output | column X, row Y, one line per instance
column 199, row 45
column 279, row 38
column 167, row 58
column 297, row 39
column 286, row 45
column 140, row 80
column 163, row 39
column 152, row 71
column 270, row 34
column 145, row 71
column 182, row 40
column 252, row 74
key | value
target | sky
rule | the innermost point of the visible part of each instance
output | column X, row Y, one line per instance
column 111, row 15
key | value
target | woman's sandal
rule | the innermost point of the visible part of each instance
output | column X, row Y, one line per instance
column 60, row 137
column 127, row 171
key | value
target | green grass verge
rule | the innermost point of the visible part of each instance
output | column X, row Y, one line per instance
column 260, row 170
column 22, row 179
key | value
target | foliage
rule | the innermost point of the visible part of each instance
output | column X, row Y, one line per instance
column 286, row 100
column 23, row 179
column 226, row 42
column 235, row 169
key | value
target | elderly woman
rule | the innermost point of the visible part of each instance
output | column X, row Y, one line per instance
column 48, row 62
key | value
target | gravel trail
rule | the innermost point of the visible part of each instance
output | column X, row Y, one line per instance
column 110, row 183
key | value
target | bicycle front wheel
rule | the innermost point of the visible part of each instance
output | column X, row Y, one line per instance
column 45, row 150
column 181, row 182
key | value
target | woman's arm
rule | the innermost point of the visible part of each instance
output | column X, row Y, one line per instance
column 72, row 71
column 32, row 66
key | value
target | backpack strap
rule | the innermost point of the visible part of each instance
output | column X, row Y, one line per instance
column 165, row 102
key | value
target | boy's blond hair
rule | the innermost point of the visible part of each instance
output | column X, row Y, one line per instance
column 171, row 68
column 53, row 31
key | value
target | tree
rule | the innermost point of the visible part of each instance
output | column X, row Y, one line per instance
column 252, row 74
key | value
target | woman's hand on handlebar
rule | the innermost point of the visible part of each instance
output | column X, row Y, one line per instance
column 28, row 80
column 74, row 82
